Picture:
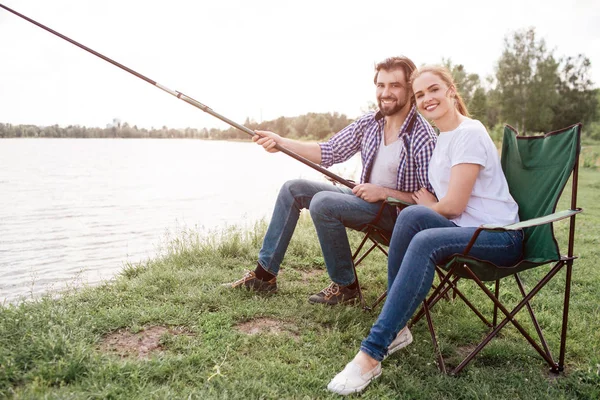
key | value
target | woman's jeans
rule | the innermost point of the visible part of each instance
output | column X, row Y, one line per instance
column 421, row 240
column 332, row 209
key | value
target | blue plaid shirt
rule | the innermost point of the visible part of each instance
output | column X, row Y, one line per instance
column 365, row 135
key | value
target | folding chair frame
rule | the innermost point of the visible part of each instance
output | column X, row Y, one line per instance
column 371, row 233
column 379, row 238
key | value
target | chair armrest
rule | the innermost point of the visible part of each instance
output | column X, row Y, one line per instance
column 557, row 216
column 397, row 202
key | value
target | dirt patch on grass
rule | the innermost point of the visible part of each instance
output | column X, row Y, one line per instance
column 140, row 345
column 269, row 326
column 463, row 351
column 307, row 276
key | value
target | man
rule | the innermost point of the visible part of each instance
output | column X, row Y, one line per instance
column 395, row 143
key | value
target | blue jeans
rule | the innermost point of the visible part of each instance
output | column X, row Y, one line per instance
column 332, row 209
column 421, row 240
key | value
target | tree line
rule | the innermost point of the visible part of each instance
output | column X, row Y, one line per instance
column 532, row 89
column 314, row 126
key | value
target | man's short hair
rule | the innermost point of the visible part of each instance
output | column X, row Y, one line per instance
column 394, row 63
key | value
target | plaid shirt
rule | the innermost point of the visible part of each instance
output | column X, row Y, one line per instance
column 365, row 135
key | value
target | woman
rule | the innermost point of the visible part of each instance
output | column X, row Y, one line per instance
column 466, row 175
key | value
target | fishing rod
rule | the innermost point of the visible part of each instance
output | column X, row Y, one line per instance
column 187, row 99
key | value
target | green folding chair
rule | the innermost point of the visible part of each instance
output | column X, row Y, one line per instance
column 537, row 169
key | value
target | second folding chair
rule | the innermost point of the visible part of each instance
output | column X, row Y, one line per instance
column 537, row 169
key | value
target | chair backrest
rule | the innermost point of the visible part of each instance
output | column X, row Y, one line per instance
column 537, row 169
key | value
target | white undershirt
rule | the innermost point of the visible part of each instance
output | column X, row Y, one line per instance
column 385, row 167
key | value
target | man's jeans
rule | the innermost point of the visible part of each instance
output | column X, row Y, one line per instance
column 422, row 239
column 332, row 209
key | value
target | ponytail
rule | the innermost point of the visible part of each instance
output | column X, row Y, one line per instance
column 459, row 103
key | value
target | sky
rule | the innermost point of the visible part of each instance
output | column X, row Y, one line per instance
column 257, row 59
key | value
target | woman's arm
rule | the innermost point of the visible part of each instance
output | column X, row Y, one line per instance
column 462, row 180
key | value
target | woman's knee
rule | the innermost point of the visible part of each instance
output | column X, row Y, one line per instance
column 425, row 242
column 410, row 217
column 412, row 213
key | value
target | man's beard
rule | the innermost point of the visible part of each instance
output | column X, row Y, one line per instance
column 391, row 111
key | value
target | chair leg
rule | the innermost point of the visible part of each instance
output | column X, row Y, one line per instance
column 497, row 293
column 381, row 297
column 433, row 298
column 361, row 298
column 356, row 260
column 563, row 336
column 431, row 301
column 536, row 325
column 434, row 287
column 355, row 257
column 436, row 347
column 440, row 276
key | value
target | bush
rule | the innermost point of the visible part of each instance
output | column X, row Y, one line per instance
column 497, row 133
column 592, row 131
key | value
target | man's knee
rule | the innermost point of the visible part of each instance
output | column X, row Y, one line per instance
column 295, row 189
column 323, row 204
column 292, row 185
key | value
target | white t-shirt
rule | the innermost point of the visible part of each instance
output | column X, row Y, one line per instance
column 490, row 201
column 385, row 166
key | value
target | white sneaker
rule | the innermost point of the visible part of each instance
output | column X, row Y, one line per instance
column 403, row 339
column 352, row 380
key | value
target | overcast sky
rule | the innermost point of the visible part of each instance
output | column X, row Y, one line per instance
column 260, row 59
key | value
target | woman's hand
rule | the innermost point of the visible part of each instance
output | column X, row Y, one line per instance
column 424, row 198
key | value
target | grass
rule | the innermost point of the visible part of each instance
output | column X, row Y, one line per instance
column 55, row 348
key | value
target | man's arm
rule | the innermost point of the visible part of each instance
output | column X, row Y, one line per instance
column 308, row 150
column 339, row 148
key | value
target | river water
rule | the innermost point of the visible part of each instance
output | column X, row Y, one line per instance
column 75, row 211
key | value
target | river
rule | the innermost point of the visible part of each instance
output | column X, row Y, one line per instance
column 75, row 211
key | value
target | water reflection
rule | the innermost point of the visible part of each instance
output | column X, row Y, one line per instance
column 75, row 210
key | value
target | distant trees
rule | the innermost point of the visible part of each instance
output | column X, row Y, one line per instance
column 478, row 107
column 76, row 131
column 538, row 92
column 527, row 77
column 314, row 126
column 532, row 90
column 467, row 83
column 577, row 99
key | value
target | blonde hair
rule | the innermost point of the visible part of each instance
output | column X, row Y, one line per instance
column 446, row 76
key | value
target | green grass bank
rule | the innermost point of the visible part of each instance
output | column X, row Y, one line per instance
column 167, row 329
